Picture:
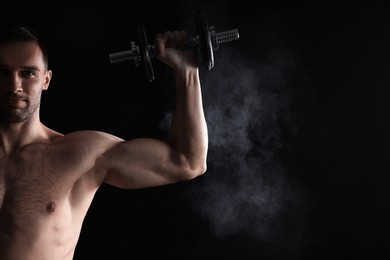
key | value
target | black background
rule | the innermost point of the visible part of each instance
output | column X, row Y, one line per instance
column 297, row 110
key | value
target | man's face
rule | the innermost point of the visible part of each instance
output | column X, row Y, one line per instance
column 23, row 77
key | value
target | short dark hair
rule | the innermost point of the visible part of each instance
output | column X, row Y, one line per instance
column 22, row 33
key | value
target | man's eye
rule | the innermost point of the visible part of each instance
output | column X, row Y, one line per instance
column 28, row 73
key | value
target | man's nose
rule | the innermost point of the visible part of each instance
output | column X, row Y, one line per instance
column 14, row 83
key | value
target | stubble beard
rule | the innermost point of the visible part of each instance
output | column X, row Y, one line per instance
column 19, row 115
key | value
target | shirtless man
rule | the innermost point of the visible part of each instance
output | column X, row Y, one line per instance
column 48, row 179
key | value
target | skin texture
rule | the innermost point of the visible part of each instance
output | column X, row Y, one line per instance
column 48, row 180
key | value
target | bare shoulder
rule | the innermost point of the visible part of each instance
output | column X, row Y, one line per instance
column 83, row 145
column 87, row 138
column 82, row 152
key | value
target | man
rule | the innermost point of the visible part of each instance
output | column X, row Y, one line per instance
column 48, row 179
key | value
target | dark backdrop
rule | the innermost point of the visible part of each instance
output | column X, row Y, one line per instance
column 297, row 110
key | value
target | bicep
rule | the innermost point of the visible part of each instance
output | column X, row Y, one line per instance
column 141, row 163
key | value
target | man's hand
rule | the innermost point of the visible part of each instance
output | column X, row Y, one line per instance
column 169, row 49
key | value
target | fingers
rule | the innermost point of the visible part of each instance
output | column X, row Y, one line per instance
column 160, row 42
column 176, row 39
column 172, row 39
column 170, row 48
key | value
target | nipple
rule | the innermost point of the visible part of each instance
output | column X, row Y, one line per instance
column 51, row 206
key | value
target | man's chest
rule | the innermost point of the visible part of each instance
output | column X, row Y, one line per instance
column 32, row 181
column 27, row 186
column 39, row 178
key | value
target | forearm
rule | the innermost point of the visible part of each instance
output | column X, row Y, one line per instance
column 188, row 133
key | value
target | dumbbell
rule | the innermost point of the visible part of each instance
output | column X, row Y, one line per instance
column 207, row 40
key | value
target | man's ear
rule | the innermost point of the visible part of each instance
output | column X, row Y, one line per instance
column 48, row 76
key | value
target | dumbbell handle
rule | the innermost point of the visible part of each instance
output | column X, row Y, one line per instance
column 194, row 42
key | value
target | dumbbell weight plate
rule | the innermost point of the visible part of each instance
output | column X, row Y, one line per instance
column 206, row 46
column 145, row 52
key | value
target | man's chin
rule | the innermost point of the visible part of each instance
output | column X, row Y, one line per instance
column 13, row 117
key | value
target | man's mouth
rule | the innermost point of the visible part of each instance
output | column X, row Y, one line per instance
column 14, row 102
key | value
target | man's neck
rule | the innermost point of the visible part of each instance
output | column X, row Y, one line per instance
column 15, row 135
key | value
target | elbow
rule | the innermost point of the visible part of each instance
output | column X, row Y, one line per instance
column 190, row 167
column 189, row 171
column 196, row 170
column 198, row 164
column 201, row 169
